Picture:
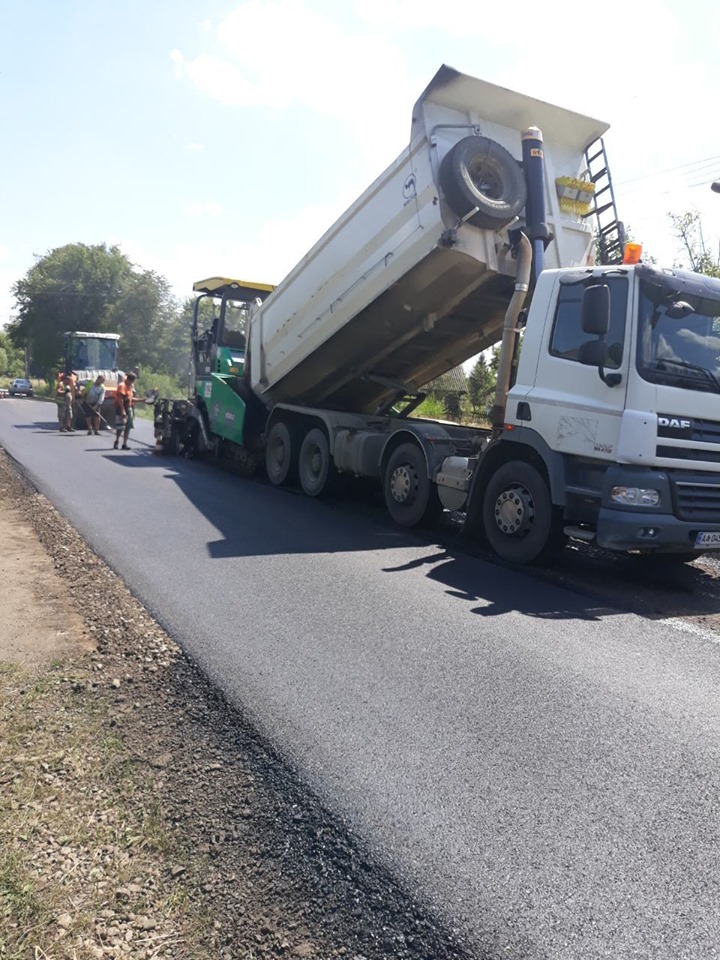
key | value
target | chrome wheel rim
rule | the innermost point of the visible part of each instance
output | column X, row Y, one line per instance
column 515, row 511
column 404, row 484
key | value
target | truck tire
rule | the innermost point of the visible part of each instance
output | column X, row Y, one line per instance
column 279, row 454
column 478, row 172
column 521, row 524
column 315, row 466
column 410, row 496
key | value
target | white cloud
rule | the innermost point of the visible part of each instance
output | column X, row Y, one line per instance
column 357, row 78
column 222, row 81
column 195, row 147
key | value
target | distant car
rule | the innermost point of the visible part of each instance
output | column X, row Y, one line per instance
column 20, row 386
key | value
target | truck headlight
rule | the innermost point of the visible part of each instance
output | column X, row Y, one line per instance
column 635, row 496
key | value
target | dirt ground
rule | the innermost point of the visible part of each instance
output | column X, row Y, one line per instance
column 141, row 816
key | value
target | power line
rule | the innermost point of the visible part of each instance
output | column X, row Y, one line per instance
column 680, row 166
column 702, row 169
column 705, row 183
column 708, row 174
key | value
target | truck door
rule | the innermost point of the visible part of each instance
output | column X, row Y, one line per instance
column 568, row 403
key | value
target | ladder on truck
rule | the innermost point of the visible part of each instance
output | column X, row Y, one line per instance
column 610, row 230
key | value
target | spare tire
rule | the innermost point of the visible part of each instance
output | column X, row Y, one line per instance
column 478, row 172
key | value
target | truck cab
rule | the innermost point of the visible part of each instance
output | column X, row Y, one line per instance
column 619, row 408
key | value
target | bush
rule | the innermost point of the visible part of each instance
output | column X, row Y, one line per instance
column 165, row 383
column 432, row 408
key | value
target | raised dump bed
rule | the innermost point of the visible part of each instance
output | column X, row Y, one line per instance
column 412, row 280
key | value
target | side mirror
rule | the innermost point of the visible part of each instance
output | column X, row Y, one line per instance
column 595, row 310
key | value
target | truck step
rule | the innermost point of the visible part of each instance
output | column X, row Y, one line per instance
column 579, row 533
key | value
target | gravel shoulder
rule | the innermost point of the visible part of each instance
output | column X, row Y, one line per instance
column 141, row 816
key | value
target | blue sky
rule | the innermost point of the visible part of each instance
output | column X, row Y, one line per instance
column 223, row 137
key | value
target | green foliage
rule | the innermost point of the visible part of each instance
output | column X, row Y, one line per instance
column 167, row 384
column 153, row 329
column 689, row 231
column 481, row 383
column 12, row 358
column 449, row 389
column 431, row 407
column 98, row 289
column 70, row 288
column 452, row 404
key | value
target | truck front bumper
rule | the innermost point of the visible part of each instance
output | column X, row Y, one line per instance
column 689, row 505
column 649, row 531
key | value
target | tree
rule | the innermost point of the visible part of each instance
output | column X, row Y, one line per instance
column 70, row 288
column 12, row 359
column 689, row 231
column 145, row 316
column 449, row 389
column 481, row 383
column 177, row 335
column 97, row 288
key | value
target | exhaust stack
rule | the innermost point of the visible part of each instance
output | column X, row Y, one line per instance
column 534, row 169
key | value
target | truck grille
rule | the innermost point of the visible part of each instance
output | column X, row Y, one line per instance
column 688, row 453
column 686, row 439
column 697, row 501
column 705, row 431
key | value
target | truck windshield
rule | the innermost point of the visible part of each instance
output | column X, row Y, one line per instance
column 92, row 353
column 681, row 352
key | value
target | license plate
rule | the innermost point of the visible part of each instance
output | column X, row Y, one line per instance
column 707, row 539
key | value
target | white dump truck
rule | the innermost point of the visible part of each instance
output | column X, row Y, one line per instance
column 483, row 226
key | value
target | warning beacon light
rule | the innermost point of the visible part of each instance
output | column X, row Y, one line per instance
column 632, row 253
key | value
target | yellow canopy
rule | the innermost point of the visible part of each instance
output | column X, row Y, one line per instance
column 236, row 289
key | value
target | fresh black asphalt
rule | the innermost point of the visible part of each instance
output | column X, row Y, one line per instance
column 540, row 768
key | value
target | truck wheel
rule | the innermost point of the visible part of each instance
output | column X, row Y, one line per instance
column 410, row 496
column 315, row 467
column 520, row 521
column 478, row 172
column 279, row 454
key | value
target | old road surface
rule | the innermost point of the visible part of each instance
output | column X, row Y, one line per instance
column 540, row 768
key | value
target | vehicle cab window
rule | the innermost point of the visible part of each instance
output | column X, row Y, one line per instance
column 567, row 332
column 681, row 351
column 235, row 323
